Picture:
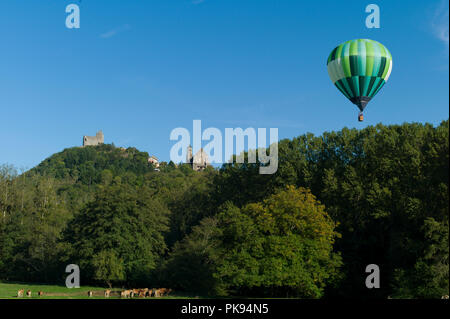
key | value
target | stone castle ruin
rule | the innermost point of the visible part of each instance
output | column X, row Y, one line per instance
column 99, row 138
column 199, row 161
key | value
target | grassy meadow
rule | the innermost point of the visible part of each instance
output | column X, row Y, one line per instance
column 9, row 291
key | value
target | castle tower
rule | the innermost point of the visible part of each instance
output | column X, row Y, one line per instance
column 99, row 138
column 189, row 155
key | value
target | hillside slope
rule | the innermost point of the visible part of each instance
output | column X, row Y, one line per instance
column 88, row 165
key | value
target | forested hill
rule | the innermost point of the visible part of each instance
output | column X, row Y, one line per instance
column 87, row 164
column 338, row 202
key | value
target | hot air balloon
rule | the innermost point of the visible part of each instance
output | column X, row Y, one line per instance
column 359, row 69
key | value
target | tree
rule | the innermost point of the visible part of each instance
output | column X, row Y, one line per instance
column 280, row 246
column 108, row 267
column 192, row 263
column 124, row 226
column 31, row 229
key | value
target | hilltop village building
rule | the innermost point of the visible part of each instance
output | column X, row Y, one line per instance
column 154, row 161
column 199, row 161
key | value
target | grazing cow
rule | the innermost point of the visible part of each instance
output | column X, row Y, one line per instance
column 135, row 292
column 90, row 293
column 28, row 293
column 143, row 292
column 444, row 297
column 168, row 291
column 20, row 293
column 125, row 293
column 40, row 293
column 107, row 293
column 164, row 291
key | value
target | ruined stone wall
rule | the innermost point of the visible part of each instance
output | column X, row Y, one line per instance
column 94, row 140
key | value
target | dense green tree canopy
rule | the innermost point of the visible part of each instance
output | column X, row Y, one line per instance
column 231, row 230
column 119, row 235
column 283, row 245
column 382, row 184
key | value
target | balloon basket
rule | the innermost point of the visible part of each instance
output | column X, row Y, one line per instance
column 360, row 117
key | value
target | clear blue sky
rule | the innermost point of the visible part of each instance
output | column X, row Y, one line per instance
column 138, row 69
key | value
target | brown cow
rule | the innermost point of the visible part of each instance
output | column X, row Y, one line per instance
column 168, row 291
column 107, row 293
column 161, row 292
column 125, row 293
column 147, row 292
column 142, row 292
column 28, row 293
column 20, row 293
column 40, row 293
column 135, row 292
column 164, row 291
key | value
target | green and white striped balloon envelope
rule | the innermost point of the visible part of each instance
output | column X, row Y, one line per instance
column 359, row 69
